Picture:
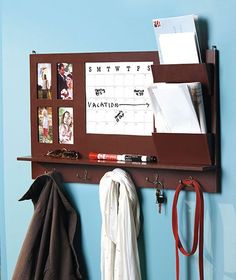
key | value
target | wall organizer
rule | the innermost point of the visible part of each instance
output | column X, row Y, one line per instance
column 108, row 119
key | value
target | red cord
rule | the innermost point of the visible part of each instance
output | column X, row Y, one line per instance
column 198, row 226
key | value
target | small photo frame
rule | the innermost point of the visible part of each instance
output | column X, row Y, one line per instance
column 66, row 129
column 44, row 81
column 45, row 134
column 64, row 81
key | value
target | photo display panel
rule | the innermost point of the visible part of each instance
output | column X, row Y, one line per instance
column 117, row 100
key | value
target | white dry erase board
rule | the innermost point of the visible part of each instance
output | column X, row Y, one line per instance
column 117, row 101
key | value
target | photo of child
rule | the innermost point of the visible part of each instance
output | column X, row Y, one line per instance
column 45, row 125
column 66, row 134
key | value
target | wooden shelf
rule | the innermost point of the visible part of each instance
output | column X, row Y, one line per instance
column 120, row 164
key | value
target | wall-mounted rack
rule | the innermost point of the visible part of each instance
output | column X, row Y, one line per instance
column 172, row 165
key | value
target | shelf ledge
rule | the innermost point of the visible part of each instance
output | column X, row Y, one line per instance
column 143, row 165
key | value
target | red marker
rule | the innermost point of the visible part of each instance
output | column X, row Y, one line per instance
column 124, row 157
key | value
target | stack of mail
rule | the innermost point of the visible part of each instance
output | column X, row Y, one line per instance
column 177, row 40
column 178, row 107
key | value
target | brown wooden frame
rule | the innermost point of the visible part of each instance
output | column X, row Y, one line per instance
column 83, row 170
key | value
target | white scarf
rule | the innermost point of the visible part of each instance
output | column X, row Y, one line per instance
column 120, row 227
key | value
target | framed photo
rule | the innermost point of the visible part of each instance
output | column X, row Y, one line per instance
column 64, row 81
column 66, row 129
column 44, row 81
column 45, row 134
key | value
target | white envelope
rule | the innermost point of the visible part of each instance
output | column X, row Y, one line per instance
column 178, row 48
column 173, row 108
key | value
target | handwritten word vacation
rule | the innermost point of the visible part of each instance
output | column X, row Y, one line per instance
column 103, row 105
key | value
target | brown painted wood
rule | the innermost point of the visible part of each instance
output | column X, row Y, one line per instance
column 206, row 169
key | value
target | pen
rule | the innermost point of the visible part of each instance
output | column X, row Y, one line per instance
column 123, row 157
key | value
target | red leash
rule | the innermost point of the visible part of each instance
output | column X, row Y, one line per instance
column 198, row 226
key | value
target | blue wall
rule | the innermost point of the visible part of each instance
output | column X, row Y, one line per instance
column 2, row 229
column 87, row 26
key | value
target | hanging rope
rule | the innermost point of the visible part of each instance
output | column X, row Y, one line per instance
column 198, row 226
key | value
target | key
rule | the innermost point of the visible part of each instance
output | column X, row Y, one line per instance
column 160, row 198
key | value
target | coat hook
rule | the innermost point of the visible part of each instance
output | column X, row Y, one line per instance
column 156, row 181
column 46, row 171
column 159, row 191
column 85, row 177
column 187, row 185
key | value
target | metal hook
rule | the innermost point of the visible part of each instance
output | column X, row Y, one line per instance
column 187, row 185
column 47, row 171
column 85, row 177
column 156, row 181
